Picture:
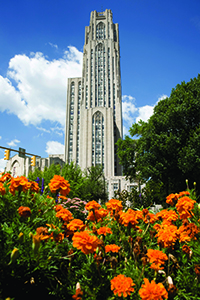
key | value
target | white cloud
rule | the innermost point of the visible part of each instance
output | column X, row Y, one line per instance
column 0, row 137
column 128, row 108
column 53, row 147
column 145, row 112
column 2, row 164
column 132, row 114
column 162, row 97
column 36, row 87
column 13, row 143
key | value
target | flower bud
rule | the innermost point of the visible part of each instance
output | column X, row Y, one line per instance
column 36, row 243
column 21, row 237
column 14, row 255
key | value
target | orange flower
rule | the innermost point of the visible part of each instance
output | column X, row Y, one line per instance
column 186, row 249
column 184, row 206
column 5, row 177
column 76, row 224
column 24, row 211
column 19, row 184
column 167, row 215
column 150, row 218
column 122, row 285
column 85, row 242
column 171, row 198
column 2, row 189
column 78, row 295
column 184, row 193
column 188, row 231
column 157, row 258
column 112, row 248
column 114, row 204
column 152, row 291
column 34, row 187
column 64, row 214
column 59, row 184
column 92, row 205
column 127, row 218
column 167, row 235
column 104, row 230
column 97, row 215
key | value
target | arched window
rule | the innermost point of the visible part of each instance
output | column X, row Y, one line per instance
column 101, row 31
column 98, row 139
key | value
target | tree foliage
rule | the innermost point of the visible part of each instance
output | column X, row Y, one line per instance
column 88, row 185
column 166, row 149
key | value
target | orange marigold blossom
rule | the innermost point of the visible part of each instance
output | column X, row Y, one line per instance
column 92, row 205
column 114, row 204
column 152, row 291
column 104, row 230
column 24, row 211
column 59, row 184
column 150, row 218
column 167, row 215
column 76, row 224
column 127, row 218
column 122, row 285
column 187, row 232
column 172, row 198
column 85, row 242
column 19, row 184
column 64, row 214
column 34, row 187
column 184, row 207
column 167, row 234
column 5, row 177
column 157, row 258
column 112, row 248
column 2, row 189
column 184, row 193
column 97, row 215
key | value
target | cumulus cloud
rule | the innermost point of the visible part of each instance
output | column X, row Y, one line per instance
column 13, row 143
column 145, row 113
column 35, row 87
column 53, row 147
column 133, row 114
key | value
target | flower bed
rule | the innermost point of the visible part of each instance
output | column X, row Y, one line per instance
column 50, row 247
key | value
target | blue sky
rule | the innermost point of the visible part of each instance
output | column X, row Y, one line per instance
column 41, row 44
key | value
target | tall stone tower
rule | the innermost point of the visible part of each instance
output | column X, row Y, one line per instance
column 94, row 105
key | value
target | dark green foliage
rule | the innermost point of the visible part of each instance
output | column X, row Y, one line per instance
column 167, row 150
column 95, row 185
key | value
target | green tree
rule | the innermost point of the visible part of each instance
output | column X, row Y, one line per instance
column 95, row 185
column 166, row 148
column 75, row 176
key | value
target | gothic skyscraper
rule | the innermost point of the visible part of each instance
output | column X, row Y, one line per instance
column 94, row 104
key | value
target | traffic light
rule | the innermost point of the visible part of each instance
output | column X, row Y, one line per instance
column 7, row 155
column 33, row 158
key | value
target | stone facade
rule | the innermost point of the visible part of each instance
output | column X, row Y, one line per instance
column 93, row 110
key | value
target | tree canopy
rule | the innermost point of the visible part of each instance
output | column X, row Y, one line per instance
column 165, row 150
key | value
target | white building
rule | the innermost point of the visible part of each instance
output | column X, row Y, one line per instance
column 94, row 103
column 94, row 108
